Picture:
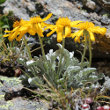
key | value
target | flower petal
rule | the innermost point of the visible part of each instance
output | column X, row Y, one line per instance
column 67, row 31
column 51, row 27
column 7, row 31
column 59, row 36
column 44, row 24
column 50, row 33
column 91, row 36
column 39, row 30
column 47, row 17
column 6, row 35
column 73, row 23
column 77, row 34
column 20, row 36
column 13, row 36
column 98, row 30
column 31, row 32
column 77, row 39
column 84, row 25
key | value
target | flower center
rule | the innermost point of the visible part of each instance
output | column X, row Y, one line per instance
column 64, row 22
column 35, row 20
column 85, row 25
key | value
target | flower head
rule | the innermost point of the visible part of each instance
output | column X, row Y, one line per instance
column 33, row 26
column 20, row 28
column 37, row 23
column 90, row 28
column 16, row 23
column 62, row 28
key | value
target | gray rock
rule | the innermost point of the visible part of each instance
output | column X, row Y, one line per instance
column 19, row 8
column 18, row 103
column 10, row 84
column 105, row 4
column 90, row 4
column 107, row 83
column 63, row 8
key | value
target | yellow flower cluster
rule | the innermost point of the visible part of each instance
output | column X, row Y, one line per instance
column 63, row 28
column 33, row 26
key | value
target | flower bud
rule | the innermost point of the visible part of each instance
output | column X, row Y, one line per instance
column 99, row 108
column 106, row 107
column 85, row 107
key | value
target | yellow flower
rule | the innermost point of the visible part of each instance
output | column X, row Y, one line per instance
column 62, row 28
column 90, row 28
column 16, row 23
column 33, row 26
column 37, row 23
column 18, row 31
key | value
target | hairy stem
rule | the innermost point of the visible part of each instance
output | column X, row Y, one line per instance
column 27, row 47
column 42, row 48
column 84, row 51
column 90, row 52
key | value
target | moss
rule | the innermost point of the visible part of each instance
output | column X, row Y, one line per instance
column 14, row 81
column 1, row 97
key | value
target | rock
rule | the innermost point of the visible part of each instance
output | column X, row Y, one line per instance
column 107, row 83
column 63, row 8
column 90, row 4
column 105, row 4
column 105, row 20
column 17, row 103
column 19, row 8
column 10, row 84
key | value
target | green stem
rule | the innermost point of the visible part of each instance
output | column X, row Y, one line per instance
column 42, row 48
column 84, row 51
column 90, row 52
column 63, row 43
column 27, row 47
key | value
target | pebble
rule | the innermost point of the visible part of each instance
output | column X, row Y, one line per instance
column 107, row 83
column 90, row 4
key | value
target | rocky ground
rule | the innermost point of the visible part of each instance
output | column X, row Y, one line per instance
column 10, row 96
column 96, row 11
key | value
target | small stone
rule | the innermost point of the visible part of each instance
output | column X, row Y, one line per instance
column 31, row 7
column 107, row 83
column 90, row 4
column 6, row 11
